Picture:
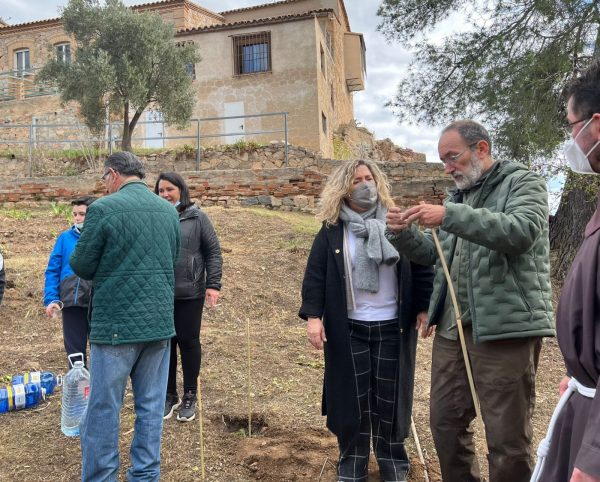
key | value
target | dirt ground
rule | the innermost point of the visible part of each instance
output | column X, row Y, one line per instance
column 265, row 254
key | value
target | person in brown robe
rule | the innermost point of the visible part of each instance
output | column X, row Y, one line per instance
column 574, row 453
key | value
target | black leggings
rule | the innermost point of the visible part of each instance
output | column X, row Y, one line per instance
column 75, row 331
column 188, row 318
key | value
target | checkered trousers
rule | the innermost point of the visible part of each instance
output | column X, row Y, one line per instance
column 375, row 347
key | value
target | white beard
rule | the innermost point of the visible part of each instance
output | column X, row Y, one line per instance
column 471, row 174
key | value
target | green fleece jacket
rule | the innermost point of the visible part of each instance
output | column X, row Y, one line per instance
column 128, row 248
column 505, row 237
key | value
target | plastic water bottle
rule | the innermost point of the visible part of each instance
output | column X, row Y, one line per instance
column 18, row 396
column 76, row 388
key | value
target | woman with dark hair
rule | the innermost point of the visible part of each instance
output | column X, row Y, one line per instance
column 197, row 281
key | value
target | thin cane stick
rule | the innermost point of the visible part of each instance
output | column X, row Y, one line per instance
column 201, row 421
column 459, row 325
column 418, row 444
column 249, row 370
column 323, row 468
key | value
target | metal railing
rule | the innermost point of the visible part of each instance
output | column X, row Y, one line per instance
column 23, row 83
column 29, row 135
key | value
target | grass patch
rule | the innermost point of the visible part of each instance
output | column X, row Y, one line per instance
column 242, row 145
column 301, row 223
column 20, row 214
column 341, row 150
column 62, row 211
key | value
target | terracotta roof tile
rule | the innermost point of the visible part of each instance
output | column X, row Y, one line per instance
column 262, row 5
column 259, row 21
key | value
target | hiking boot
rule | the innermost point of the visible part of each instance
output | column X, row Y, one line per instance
column 187, row 412
column 172, row 403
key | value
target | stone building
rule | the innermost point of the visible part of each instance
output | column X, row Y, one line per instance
column 294, row 56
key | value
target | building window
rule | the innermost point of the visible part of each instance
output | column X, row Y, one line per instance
column 190, row 68
column 324, row 122
column 252, row 53
column 22, row 61
column 332, row 97
column 323, row 61
column 63, row 53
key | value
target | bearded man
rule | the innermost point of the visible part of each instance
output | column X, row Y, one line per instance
column 493, row 231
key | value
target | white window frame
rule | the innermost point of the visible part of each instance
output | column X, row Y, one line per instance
column 26, row 68
column 61, row 51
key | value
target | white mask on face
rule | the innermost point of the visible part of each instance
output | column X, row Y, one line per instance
column 578, row 160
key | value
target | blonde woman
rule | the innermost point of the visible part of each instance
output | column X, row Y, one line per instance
column 364, row 303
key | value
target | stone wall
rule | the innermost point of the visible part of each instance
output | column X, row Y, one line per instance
column 286, row 188
column 242, row 156
column 352, row 141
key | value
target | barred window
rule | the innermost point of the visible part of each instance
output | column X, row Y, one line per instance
column 252, row 53
column 63, row 53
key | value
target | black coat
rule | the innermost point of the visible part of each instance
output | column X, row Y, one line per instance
column 324, row 296
column 200, row 263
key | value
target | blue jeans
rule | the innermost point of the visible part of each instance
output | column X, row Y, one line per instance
column 110, row 366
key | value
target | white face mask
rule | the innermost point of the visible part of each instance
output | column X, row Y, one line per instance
column 79, row 226
column 578, row 160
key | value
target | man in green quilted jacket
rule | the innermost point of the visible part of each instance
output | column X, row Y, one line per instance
column 128, row 247
column 493, row 231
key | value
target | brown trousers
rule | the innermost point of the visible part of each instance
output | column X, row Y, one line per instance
column 504, row 374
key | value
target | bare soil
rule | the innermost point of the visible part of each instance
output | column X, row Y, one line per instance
column 265, row 254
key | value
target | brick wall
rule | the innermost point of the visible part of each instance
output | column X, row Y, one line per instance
column 291, row 188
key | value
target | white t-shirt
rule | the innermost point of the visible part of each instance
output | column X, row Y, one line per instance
column 379, row 306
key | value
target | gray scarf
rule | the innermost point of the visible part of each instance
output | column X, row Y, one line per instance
column 372, row 247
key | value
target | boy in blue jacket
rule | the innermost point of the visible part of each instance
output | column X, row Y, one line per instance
column 63, row 290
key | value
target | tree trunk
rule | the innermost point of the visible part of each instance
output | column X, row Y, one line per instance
column 126, row 141
column 566, row 229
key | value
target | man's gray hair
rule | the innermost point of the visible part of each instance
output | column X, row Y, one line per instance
column 470, row 131
column 126, row 163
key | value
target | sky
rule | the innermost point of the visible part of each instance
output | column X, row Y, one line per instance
column 385, row 64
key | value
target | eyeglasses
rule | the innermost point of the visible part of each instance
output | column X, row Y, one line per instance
column 104, row 176
column 568, row 126
column 455, row 157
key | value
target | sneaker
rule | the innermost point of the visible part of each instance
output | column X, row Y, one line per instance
column 172, row 403
column 187, row 413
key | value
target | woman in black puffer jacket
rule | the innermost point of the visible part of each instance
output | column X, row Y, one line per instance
column 197, row 281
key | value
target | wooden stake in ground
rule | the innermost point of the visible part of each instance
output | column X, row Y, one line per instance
column 201, row 422
column 461, row 333
column 249, row 378
column 418, row 445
